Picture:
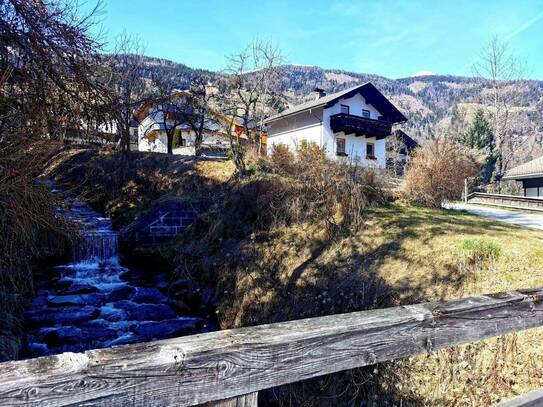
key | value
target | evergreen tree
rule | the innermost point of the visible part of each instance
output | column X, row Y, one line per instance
column 479, row 136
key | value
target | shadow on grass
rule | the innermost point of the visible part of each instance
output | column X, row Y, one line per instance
column 286, row 274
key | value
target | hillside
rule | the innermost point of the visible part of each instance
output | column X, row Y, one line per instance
column 433, row 103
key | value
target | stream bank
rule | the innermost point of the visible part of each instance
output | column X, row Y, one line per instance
column 95, row 301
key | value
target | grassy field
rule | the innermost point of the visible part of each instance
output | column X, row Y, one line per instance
column 404, row 255
column 443, row 254
column 451, row 254
column 424, row 254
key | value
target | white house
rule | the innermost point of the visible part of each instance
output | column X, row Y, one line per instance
column 350, row 125
column 150, row 128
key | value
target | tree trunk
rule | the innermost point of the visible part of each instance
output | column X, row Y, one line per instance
column 239, row 161
column 125, row 142
column 198, row 144
column 169, row 136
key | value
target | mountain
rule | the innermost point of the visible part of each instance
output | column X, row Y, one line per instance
column 434, row 104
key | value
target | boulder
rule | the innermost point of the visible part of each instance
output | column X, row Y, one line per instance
column 60, row 315
column 65, row 300
column 94, row 299
column 66, row 335
column 169, row 328
column 149, row 296
column 36, row 349
column 145, row 312
column 98, row 334
column 79, row 289
column 124, row 340
column 109, row 313
column 121, row 292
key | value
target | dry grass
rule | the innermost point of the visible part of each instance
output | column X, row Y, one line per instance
column 448, row 255
column 270, row 262
column 405, row 254
column 30, row 232
column 125, row 186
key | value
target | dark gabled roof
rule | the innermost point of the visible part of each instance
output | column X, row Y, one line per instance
column 531, row 169
column 408, row 142
column 372, row 95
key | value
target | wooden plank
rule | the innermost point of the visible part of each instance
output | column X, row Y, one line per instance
column 214, row 366
column 248, row 400
column 532, row 399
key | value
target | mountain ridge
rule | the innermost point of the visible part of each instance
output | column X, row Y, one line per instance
column 434, row 104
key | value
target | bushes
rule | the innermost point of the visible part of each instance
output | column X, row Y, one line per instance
column 304, row 186
column 31, row 231
column 437, row 172
column 323, row 190
column 281, row 158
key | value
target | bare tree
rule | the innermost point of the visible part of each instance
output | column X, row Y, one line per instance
column 504, row 74
column 200, row 113
column 396, row 154
column 127, row 84
column 48, row 86
column 49, row 63
column 166, row 111
column 250, row 90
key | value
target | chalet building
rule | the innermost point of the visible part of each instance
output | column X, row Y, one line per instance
column 398, row 149
column 530, row 175
column 152, row 120
column 350, row 125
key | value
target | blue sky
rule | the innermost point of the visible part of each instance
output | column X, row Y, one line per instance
column 392, row 38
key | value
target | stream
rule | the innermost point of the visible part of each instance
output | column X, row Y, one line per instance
column 95, row 302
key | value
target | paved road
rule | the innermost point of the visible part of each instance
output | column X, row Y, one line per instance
column 526, row 219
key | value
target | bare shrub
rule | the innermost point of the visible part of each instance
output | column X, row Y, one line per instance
column 30, row 230
column 281, row 157
column 264, row 246
column 308, row 152
column 304, row 186
column 437, row 172
column 323, row 190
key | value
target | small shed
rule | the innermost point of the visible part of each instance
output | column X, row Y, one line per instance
column 531, row 176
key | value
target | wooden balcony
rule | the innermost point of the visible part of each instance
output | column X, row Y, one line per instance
column 360, row 126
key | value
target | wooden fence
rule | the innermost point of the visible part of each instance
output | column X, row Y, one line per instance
column 506, row 201
column 228, row 368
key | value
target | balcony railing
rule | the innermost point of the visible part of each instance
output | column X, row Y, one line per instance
column 360, row 126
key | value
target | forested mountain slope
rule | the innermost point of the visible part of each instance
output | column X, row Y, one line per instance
column 434, row 104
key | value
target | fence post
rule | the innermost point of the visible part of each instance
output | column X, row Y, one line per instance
column 465, row 190
column 247, row 400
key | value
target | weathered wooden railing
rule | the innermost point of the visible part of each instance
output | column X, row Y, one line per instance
column 228, row 368
column 506, row 201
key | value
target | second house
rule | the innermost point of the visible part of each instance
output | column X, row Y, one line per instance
column 350, row 125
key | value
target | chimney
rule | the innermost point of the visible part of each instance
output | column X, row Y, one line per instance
column 319, row 93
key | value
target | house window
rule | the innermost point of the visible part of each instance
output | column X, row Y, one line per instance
column 530, row 192
column 370, row 151
column 340, row 146
column 344, row 109
column 365, row 113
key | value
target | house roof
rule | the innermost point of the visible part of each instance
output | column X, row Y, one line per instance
column 372, row 95
column 409, row 142
column 531, row 169
column 142, row 109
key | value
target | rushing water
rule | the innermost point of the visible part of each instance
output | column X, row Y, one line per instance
column 93, row 301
